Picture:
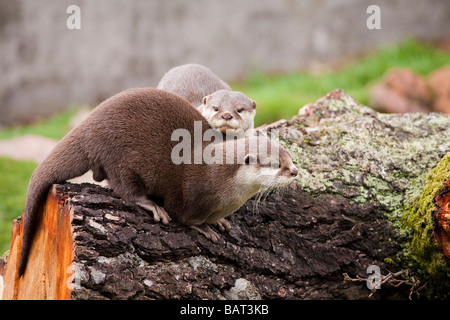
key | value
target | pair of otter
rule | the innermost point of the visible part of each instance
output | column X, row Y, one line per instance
column 127, row 140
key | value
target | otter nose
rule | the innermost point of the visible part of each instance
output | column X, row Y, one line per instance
column 227, row 116
column 294, row 172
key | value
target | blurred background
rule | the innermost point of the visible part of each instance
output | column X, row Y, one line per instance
column 283, row 54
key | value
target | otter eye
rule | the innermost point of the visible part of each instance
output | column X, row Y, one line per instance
column 275, row 166
column 240, row 110
column 216, row 109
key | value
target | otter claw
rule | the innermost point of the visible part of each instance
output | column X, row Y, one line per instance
column 161, row 214
column 208, row 233
column 223, row 225
column 158, row 212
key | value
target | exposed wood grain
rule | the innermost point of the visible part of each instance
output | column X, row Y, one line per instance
column 50, row 256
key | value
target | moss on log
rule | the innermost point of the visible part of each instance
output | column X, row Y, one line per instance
column 428, row 216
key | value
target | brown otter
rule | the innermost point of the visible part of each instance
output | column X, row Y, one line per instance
column 128, row 139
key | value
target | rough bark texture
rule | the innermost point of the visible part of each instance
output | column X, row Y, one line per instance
column 294, row 248
column 358, row 171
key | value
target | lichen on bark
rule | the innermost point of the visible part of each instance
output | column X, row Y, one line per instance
column 351, row 150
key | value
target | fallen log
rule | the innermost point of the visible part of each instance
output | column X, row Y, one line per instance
column 369, row 217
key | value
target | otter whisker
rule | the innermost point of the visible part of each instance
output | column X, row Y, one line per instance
column 278, row 191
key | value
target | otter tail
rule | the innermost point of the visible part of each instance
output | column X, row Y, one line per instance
column 66, row 161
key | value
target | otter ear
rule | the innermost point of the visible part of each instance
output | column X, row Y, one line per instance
column 253, row 104
column 204, row 100
column 250, row 159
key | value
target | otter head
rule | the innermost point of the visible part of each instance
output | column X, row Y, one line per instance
column 230, row 112
column 250, row 165
column 266, row 165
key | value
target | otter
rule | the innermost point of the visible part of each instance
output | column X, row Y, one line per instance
column 227, row 111
column 129, row 140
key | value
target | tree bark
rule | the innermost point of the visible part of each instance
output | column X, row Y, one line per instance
column 356, row 204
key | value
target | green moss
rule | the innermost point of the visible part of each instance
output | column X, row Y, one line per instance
column 418, row 220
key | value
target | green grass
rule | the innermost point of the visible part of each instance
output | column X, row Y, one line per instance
column 14, row 177
column 278, row 96
column 54, row 127
column 281, row 96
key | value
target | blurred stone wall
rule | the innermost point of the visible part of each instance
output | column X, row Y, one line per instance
column 45, row 67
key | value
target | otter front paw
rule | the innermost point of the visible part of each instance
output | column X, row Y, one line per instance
column 158, row 212
column 207, row 232
column 223, row 225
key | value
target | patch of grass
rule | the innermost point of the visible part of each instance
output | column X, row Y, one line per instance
column 281, row 96
column 14, row 177
column 54, row 127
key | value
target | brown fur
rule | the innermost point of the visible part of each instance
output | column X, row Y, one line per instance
column 127, row 139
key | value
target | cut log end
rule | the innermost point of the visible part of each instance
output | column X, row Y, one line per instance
column 51, row 254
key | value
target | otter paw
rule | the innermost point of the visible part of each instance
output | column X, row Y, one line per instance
column 208, row 233
column 223, row 225
column 161, row 214
column 158, row 212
